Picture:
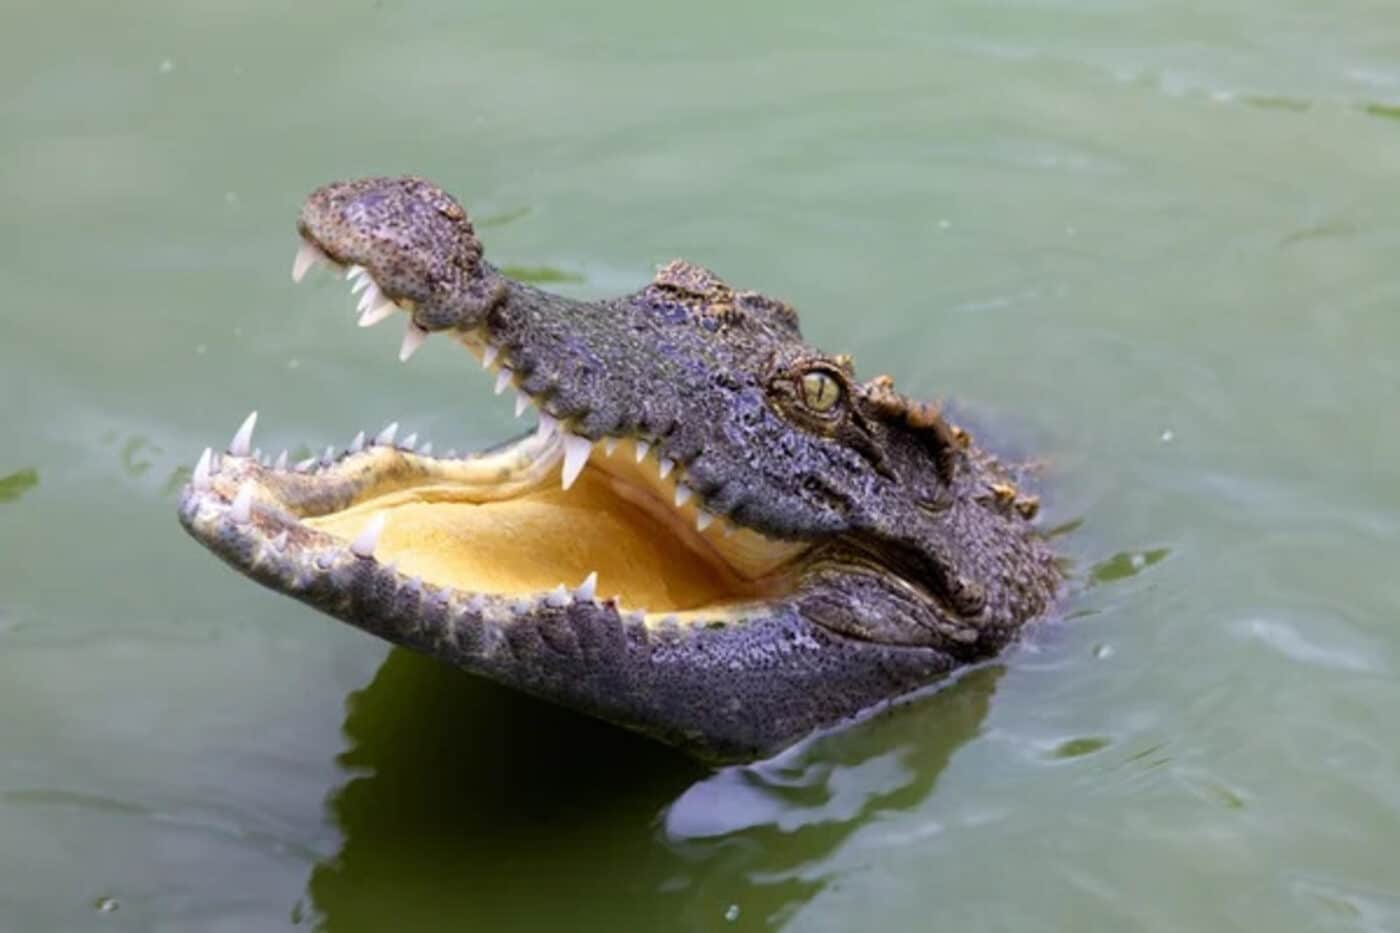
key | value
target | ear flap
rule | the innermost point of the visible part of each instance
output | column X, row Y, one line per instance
column 924, row 419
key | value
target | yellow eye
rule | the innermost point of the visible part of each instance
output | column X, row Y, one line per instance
column 820, row 391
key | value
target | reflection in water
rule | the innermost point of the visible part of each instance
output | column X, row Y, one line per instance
column 473, row 805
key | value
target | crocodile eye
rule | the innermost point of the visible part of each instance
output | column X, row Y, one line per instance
column 820, row 391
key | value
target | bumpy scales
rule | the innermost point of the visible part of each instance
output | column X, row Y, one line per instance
column 716, row 535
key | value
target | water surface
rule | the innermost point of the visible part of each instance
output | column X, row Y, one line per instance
column 1151, row 243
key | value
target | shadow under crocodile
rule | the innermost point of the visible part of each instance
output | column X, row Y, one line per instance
column 472, row 806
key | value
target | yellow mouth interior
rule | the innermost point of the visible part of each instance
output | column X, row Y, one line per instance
column 529, row 541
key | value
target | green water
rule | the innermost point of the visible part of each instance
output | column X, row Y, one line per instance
column 1153, row 243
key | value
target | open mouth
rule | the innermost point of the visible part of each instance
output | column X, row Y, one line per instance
column 549, row 517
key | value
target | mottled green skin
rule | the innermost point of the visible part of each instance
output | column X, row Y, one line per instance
column 924, row 556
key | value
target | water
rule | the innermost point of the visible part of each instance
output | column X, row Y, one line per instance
column 1150, row 243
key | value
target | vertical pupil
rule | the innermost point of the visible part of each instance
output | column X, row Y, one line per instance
column 820, row 391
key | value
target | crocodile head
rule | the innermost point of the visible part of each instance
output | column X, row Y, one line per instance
column 717, row 534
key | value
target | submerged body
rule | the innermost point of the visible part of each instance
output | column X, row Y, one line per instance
column 717, row 535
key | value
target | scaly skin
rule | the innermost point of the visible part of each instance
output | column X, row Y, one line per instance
column 913, row 551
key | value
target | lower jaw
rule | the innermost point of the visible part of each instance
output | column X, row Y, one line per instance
column 502, row 526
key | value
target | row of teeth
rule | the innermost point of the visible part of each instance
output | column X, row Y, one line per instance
column 577, row 451
column 374, row 306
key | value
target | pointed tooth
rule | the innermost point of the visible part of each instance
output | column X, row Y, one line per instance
column 548, row 425
column 303, row 466
column 280, row 542
column 522, row 402
column 242, row 509
column 665, row 467
column 386, row 436
column 503, row 379
column 682, row 494
column 200, row 479
column 355, row 270
column 588, row 588
column 380, row 312
column 642, row 449
column 610, row 446
column 358, row 444
column 412, row 339
column 559, row 596
column 427, row 450
column 489, row 354
column 366, row 541
column 703, row 520
column 258, row 456
column 410, row 442
column 576, row 451
column 308, row 254
column 363, row 282
column 281, row 462
column 328, row 455
column 243, row 439
column 370, row 298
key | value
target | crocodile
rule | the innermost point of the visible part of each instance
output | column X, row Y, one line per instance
column 715, row 534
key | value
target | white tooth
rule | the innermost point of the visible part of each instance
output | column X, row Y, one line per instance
column 703, row 520
column 427, row 450
column 358, row 444
column 412, row 339
column 355, row 270
column 488, row 355
column 548, row 425
column 682, row 494
column 200, row 480
column 503, row 379
column 366, row 541
column 243, row 438
column 281, row 462
column 242, row 510
column 386, row 436
column 588, row 588
column 559, row 596
column 369, row 299
column 576, row 451
column 328, row 455
column 666, row 466
column 380, row 312
column 610, row 446
column 642, row 449
column 280, row 542
column 364, row 281
column 258, row 456
column 308, row 254
column 303, row 466
column 410, row 442
column 522, row 402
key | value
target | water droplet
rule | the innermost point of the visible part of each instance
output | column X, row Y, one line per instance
column 1102, row 652
column 106, row 905
column 1168, row 436
column 166, row 66
column 732, row 913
